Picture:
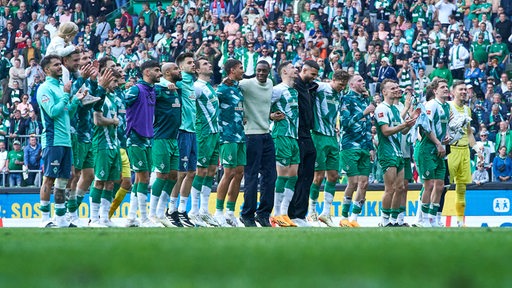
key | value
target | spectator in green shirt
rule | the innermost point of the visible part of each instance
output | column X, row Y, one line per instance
column 15, row 164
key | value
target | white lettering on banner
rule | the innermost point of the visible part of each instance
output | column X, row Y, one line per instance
column 501, row 205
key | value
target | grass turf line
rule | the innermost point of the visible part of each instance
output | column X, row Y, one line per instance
column 225, row 257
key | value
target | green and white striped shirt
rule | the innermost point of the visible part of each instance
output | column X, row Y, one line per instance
column 326, row 107
column 286, row 100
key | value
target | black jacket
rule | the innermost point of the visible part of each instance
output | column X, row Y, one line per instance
column 306, row 99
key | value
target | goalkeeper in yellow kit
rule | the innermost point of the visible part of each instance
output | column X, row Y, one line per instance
column 459, row 159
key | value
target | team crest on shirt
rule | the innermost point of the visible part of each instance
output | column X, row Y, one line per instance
column 45, row 99
column 429, row 112
column 176, row 103
column 381, row 114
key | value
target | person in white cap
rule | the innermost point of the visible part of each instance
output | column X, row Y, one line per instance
column 386, row 71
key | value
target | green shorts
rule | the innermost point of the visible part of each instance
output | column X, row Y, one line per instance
column 208, row 150
column 84, row 156
column 429, row 165
column 407, row 169
column 327, row 152
column 107, row 166
column 287, row 150
column 165, row 155
column 233, row 155
column 140, row 158
column 355, row 162
column 389, row 162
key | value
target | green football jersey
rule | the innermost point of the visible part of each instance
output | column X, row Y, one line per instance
column 207, row 109
column 167, row 111
column 231, row 116
column 286, row 100
column 439, row 114
column 389, row 146
column 355, row 128
column 105, row 137
column 188, row 100
column 121, row 115
column 326, row 107
column 84, row 114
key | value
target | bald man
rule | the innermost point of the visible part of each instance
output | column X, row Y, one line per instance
column 165, row 155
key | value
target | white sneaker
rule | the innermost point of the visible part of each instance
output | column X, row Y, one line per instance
column 89, row 99
column 156, row 221
column 327, row 220
column 48, row 224
column 194, row 218
column 148, row 223
column 96, row 224
column 220, row 220
column 107, row 222
column 313, row 216
column 164, row 221
column 208, row 219
column 73, row 219
column 131, row 223
column 62, row 222
column 231, row 220
column 301, row 222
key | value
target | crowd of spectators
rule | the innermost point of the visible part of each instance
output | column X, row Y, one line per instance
column 412, row 41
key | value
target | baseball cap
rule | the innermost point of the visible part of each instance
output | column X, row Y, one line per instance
column 16, row 142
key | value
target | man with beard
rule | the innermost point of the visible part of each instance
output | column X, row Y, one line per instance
column 165, row 152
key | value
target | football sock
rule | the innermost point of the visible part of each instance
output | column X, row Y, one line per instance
column 346, row 206
column 156, row 192
column 106, row 199
column 289, row 188
column 120, row 194
column 183, row 204
column 460, row 201
column 163, row 201
column 278, row 195
column 134, row 202
column 329, row 190
column 95, row 200
column 356, row 209
column 328, row 197
column 206, row 189
column 230, row 206
column 394, row 215
column 195, row 192
column 44, row 206
column 60, row 211
column 219, row 206
column 80, row 196
column 385, row 216
column 314, row 191
column 142, row 198
column 432, row 211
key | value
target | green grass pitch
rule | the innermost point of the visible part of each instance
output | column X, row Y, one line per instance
column 238, row 257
